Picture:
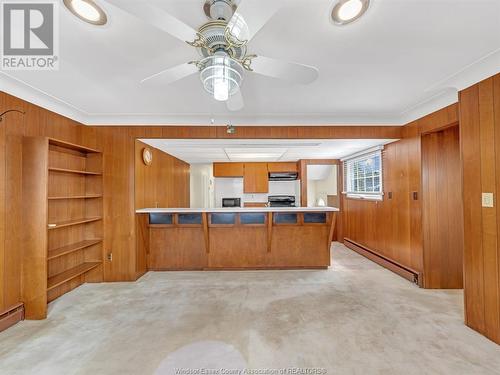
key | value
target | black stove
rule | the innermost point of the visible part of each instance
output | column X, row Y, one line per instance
column 281, row 200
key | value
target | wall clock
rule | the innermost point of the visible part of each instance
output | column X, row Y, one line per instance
column 147, row 156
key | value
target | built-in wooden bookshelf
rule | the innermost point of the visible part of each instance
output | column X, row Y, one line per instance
column 62, row 189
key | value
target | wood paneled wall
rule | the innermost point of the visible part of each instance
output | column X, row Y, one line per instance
column 262, row 132
column 480, row 147
column 442, row 209
column 387, row 226
column 3, row 276
column 35, row 122
column 164, row 183
column 433, row 122
column 393, row 227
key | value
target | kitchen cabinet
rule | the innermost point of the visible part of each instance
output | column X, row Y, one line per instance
column 228, row 169
column 282, row 167
column 255, row 175
column 255, row 178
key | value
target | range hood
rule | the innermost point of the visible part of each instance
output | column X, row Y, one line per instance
column 283, row 176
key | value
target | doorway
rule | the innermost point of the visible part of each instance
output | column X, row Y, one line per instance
column 442, row 209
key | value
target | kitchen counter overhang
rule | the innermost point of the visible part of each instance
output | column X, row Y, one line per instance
column 236, row 210
column 236, row 238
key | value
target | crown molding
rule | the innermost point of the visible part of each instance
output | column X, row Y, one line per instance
column 24, row 91
column 479, row 70
column 430, row 105
column 445, row 92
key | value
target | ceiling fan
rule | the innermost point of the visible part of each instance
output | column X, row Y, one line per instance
column 222, row 45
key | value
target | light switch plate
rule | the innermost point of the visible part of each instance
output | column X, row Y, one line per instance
column 488, row 200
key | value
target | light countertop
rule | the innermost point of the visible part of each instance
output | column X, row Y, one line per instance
column 235, row 209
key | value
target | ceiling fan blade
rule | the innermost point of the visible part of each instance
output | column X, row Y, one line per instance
column 251, row 16
column 288, row 71
column 157, row 18
column 235, row 102
column 173, row 74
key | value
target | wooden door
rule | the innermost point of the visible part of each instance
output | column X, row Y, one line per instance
column 442, row 210
column 255, row 178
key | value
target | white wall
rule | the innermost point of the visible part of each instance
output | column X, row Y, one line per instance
column 233, row 188
column 328, row 186
column 322, row 183
column 311, row 193
column 202, row 186
column 227, row 188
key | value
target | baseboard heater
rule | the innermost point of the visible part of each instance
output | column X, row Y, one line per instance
column 391, row 265
column 11, row 316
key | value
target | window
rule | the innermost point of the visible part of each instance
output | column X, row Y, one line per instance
column 363, row 175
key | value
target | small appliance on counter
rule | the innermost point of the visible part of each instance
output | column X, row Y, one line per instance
column 231, row 202
column 320, row 202
column 281, row 200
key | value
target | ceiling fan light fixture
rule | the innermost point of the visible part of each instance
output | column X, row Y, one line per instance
column 347, row 11
column 221, row 90
column 221, row 75
column 88, row 11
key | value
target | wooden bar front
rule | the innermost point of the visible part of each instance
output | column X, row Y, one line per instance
column 236, row 240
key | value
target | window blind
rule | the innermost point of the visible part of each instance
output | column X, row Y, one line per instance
column 363, row 174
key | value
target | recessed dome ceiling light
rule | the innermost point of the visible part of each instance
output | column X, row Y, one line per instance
column 87, row 10
column 347, row 11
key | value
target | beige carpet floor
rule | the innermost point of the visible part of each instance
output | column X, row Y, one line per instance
column 355, row 318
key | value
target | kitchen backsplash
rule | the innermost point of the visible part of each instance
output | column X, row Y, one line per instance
column 233, row 188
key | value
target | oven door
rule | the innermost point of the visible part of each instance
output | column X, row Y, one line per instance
column 282, row 204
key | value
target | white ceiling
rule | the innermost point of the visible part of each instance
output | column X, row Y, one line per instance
column 402, row 60
column 224, row 150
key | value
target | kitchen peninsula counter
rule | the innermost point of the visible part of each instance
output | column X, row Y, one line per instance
column 236, row 209
column 235, row 238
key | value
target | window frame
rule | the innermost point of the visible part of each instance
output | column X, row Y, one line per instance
column 349, row 163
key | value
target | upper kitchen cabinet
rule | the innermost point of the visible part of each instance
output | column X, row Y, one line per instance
column 255, row 178
column 228, row 170
column 282, row 167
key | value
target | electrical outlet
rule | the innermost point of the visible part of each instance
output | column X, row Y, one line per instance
column 110, row 257
column 488, row 200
